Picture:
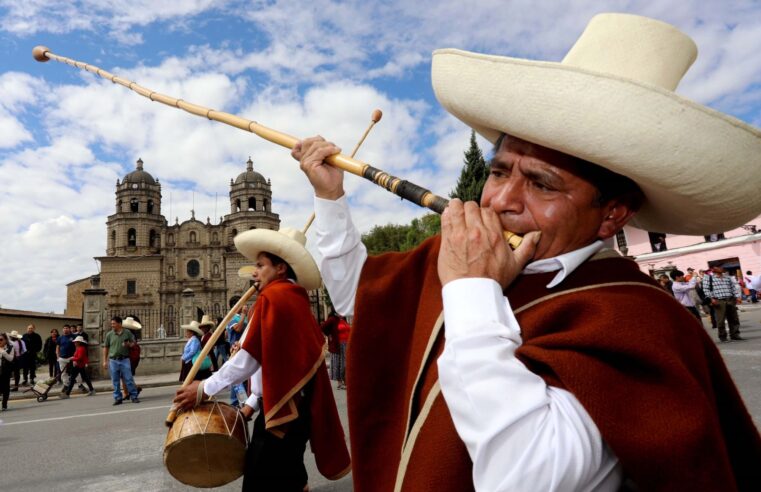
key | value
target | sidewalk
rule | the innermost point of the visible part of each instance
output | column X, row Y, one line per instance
column 100, row 385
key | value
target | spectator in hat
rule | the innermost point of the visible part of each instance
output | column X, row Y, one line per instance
column 133, row 325
column 192, row 348
column 206, row 325
column 79, row 362
column 19, row 357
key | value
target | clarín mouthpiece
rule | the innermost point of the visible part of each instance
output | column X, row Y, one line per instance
column 38, row 52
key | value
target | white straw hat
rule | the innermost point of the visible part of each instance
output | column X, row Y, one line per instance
column 206, row 321
column 193, row 326
column 15, row 334
column 130, row 323
column 288, row 244
column 80, row 339
column 611, row 101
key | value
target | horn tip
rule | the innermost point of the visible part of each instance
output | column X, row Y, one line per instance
column 40, row 53
column 377, row 115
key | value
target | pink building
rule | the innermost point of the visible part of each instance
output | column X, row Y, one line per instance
column 735, row 250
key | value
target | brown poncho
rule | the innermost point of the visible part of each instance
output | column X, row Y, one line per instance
column 645, row 371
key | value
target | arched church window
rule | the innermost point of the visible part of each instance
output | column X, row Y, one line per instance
column 252, row 203
column 131, row 237
column 133, row 205
column 118, row 206
column 266, row 205
column 215, row 269
column 150, row 206
column 170, row 272
column 193, row 236
column 235, row 232
column 217, row 309
column 194, row 268
column 215, row 237
column 113, row 238
column 237, row 205
column 152, row 239
column 170, row 238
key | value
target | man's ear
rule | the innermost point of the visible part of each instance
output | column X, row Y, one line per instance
column 282, row 270
column 616, row 214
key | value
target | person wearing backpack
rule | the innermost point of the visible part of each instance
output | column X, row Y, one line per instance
column 19, row 356
column 6, row 368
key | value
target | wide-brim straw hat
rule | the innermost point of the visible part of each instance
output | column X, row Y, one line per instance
column 611, row 101
column 193, row 326
column 130, row 323
column 288, row 244
column 15, row 334
column 206, row 321
column 80, row 339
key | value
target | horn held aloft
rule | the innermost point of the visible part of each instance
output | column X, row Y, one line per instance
column 404, row 189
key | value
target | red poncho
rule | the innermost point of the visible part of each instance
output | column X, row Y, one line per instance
column 284, row 337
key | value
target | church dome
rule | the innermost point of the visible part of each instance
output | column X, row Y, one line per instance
column 250, row 176
column 139, row 176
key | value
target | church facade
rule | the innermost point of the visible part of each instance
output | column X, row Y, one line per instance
column 170, row 274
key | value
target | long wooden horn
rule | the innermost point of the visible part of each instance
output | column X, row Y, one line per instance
column 400, row 187
column 208, row 348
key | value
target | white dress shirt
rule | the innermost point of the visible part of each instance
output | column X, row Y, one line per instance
column 237, row 369
column 521, row 434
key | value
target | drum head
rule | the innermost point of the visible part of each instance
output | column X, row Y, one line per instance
column 205, row 460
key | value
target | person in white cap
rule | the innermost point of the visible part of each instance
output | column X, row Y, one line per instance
column 557, row 366
column 283, row 350
column 79, row 367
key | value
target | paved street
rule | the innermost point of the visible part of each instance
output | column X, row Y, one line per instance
column 86, row 444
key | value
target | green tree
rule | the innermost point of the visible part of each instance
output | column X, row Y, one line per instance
column 473, row 175
column 403, row 237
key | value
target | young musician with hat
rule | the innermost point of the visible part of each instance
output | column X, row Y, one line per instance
column 534, row 369
column 283, row 351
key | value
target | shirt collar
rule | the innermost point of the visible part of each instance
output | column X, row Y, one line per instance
column 565, row 263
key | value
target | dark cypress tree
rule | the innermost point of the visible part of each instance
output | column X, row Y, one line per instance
column 473, row 175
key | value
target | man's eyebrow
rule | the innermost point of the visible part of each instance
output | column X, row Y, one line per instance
column 543, row 176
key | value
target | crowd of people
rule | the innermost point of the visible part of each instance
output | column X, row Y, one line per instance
column 65, row 354
column 715, row 294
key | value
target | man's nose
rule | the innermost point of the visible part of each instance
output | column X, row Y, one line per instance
column 509, row 197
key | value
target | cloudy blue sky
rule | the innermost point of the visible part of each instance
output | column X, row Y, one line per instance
column 302, row 67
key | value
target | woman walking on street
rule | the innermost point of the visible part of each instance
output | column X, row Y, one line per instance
column 192, row 348
column 79, row 367
column 6, row 369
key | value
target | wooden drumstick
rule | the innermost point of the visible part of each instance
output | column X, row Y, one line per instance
column 375, row 118
column 208, row 347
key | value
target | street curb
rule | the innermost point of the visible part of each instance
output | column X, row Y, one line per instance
column 100, row 386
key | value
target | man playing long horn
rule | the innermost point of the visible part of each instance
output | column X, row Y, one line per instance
column 558, row 366
column 283, row 351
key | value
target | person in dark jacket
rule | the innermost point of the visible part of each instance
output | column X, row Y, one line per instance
column 33, row 345
column 49, row 352
column 6, row 368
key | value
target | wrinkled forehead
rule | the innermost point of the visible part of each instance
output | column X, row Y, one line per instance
column 509, row 148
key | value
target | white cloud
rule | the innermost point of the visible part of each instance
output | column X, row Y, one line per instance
column 116, row 18
column 312, row 67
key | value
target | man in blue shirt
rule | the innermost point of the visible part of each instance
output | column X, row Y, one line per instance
column 65, row 351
